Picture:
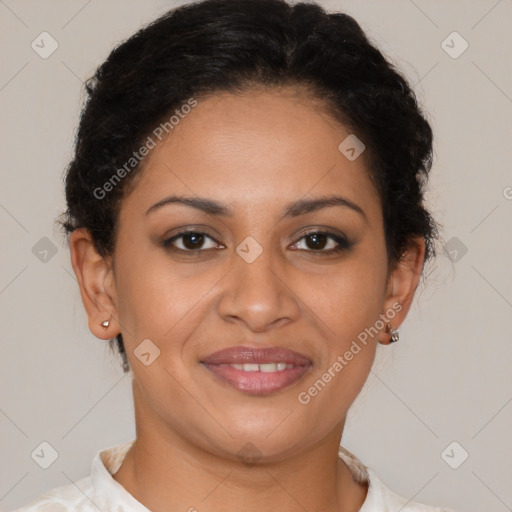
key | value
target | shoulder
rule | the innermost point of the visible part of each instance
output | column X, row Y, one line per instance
column 382, row 499
column 62, row 499
column 96, row 492
column 379, row 497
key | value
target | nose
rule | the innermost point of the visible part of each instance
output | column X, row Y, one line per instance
column 258, row 294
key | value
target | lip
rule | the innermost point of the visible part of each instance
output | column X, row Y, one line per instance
column 257, row 383
column 259, row 355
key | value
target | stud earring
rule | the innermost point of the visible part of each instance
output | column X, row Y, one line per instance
column 395, row 336
column 105, row 324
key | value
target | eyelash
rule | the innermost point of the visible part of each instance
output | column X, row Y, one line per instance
column 343, row 243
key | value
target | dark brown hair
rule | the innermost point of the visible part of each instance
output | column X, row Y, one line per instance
column 232, row 45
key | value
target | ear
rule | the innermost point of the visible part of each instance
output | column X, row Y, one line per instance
column 96, row 281
column 401, row 286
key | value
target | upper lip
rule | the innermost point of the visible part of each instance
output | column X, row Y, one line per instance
column 241, row 355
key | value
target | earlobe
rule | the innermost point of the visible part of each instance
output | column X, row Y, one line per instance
column 402, row 284
column 388, row 335
column 93, row 273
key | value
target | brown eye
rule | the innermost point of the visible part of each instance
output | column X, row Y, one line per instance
column 189, row 241
column 317, row 241
column 323, row 242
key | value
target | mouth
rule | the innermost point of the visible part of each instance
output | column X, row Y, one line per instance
column 257, row 371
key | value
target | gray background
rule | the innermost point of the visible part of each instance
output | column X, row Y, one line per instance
column 447, row 380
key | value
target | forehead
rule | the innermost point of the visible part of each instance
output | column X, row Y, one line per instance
column 272, row 146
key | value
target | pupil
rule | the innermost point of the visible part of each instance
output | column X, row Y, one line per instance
column 196, row 238
column 317, row 238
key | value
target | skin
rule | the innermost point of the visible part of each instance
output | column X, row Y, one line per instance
column 254, row 152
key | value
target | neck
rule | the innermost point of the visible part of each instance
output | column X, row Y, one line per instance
column 164, row 471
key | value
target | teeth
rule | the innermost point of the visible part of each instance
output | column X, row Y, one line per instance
column 264, row 367
column 268, row 367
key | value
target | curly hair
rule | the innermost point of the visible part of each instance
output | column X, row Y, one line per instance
column 212, row 46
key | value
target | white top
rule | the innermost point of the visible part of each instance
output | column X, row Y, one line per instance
column 99, row 491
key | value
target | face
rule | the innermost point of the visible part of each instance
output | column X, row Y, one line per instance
column 265, row 266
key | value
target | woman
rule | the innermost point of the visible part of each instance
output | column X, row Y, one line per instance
column 246, row 221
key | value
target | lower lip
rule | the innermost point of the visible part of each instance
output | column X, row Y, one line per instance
column 257, row 383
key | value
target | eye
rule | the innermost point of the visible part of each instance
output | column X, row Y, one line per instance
column 323, row 241
column 315, row 241
column 189, row 241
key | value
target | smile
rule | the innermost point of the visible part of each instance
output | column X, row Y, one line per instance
column 257, row 371
column 265, row 367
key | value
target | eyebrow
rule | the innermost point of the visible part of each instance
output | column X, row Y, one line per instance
column 300, row 207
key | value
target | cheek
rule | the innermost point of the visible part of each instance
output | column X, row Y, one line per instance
column 147, row 296
column 330, row 395
column 349, row 305
column 160, row 301
column 347, row 299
